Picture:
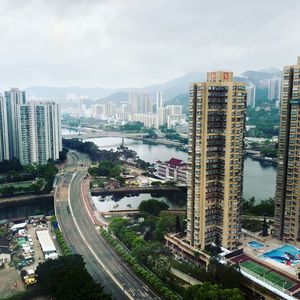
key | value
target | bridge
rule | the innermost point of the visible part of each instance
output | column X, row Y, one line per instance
column 89, row 133
column 135, row 190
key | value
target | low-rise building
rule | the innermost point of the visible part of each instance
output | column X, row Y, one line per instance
column 174, row 169
column 4, row 252
column 46, row 243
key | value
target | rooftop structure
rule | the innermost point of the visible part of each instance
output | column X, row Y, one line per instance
column 46, row 242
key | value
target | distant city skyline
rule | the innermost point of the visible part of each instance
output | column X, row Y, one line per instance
column 98, row 43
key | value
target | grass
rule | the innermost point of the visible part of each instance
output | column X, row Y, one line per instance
column 268, row 274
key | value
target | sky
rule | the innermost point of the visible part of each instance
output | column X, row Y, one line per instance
column 132, row 43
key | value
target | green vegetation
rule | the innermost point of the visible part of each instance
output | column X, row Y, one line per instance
column 180, row 100
column 10, row 165
column 20, row 179
column 266, row 122
column 226, row 276
column 208, row 291
column 60, row 240
column 108, row 169
column 251, row 224
column 149, row 251
column 171, row 134
column 151, row 133
column 153, row 206
column 264, row 208
column 133, row 127
column 67, row 278
column 143, row 273
column 91, row 149
column 63, row 154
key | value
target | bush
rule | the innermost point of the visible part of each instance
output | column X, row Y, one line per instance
column 145, row 274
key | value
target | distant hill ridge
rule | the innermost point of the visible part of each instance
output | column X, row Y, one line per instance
column 175, row 90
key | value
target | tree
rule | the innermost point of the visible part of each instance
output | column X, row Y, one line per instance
column 160, row 265
column 264, row 228
column 153, row 206
column 67, row 278
column 178, row 225
column 208, row 291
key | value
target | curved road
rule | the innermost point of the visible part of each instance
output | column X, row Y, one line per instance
column 83, row 237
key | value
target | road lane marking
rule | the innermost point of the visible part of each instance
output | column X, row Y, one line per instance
column 92, row 251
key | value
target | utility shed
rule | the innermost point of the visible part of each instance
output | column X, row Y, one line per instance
column 46, row 242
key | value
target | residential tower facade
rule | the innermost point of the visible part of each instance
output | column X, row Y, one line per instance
column 287, row 197
column 215, row 160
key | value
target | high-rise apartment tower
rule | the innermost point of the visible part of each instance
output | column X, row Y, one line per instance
column 39, row 132
column 216, row 150
column 287, row 197
column 13, row 98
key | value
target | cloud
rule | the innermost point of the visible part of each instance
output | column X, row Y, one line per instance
column 117, row 43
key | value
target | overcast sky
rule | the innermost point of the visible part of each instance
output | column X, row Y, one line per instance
column 124, row 43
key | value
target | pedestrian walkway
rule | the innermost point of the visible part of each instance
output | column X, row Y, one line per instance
column 185, row 277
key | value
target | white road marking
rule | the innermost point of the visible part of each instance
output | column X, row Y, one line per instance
column 92, row 251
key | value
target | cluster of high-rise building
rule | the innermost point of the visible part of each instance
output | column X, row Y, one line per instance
column 29, row 131
column 215, row 161
column 141, row 107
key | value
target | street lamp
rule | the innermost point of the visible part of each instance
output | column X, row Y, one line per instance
column 283, row 285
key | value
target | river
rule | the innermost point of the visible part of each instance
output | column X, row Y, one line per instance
column 259, row 179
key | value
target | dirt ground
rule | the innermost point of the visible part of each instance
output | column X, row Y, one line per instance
column 10, row 282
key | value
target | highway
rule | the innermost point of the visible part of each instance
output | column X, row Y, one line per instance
column 84, row 238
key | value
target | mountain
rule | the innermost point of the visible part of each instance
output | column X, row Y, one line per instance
column 175, row 91
column 271, row 70
column 116, row 97
column 180, row 100
column 170, row 89
column 175, row 87
column 257, row 76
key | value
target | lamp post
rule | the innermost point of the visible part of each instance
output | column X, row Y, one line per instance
column 283, row 285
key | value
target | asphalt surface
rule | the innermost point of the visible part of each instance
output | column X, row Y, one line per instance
column 83, row 238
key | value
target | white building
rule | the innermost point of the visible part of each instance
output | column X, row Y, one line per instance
column 174, row 169
column 13, row 98
column 174, row 110
column 98, row 111
column 162, row 114
column 174, row 120
column 159, row 100
column 251, row 94
column 149, row 120
column 140, row 103
column 39, row 132
column 46, row 243
column 274, row 88
column 4, row 140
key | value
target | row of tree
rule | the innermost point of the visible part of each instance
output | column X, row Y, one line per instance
column 147, row 276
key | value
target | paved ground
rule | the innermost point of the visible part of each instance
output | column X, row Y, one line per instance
column 10, row 282
column 185, row 277
column 100, row 258
column 38, row 254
